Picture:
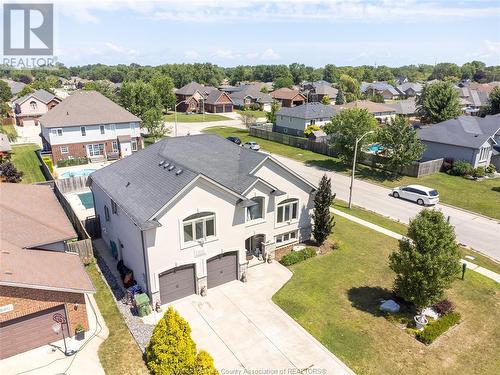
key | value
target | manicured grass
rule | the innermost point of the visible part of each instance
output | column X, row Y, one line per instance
column 25, row 159
column 10, row 130
column 119, row 353
column 208, row 117
column 257, row 114
column 482, row 197
column 336, row 296
column 402, row 228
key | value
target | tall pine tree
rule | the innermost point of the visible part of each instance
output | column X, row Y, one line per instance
column 340, row 99
column 323, row 219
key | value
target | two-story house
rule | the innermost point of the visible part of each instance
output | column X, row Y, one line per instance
column 187, row 213
column 87, row 124
column 29, row 108
column 198, row 98
column 295, row 120
column 288, row 97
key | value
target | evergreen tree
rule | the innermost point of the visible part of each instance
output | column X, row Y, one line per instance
column 323, row 219
column 204, row 364
column 427, row 261
column 325, row 100
column 339, row 99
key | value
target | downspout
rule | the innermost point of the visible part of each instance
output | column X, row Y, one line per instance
column 146, row 266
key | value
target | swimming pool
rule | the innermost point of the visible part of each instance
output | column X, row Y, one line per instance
column 86, row 199
column 375, row 148
column 78, row 172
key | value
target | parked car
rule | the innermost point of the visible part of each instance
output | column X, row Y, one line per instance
column 252, row 145
column 417, row 193
column 234, row 140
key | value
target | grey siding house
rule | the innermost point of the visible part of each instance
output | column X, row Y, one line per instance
column 295, row 120
column 468, row 138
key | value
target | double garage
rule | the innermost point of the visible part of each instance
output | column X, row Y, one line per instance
column 181, row 281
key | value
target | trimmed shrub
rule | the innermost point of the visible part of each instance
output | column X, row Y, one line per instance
column 490, row 169
column 297, row 256
column 9, row 172
column 444, row 307
column 435, row 329
column 204, row 364
column 461, row 168
column 72, row 162
column 479, row 172
column 48, row 162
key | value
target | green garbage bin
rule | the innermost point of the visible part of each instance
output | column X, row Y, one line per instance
column 142, row 304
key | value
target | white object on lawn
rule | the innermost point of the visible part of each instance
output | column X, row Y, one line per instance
column 420, row 321
column 430, row 312
column 298, row 247
column 389, row 305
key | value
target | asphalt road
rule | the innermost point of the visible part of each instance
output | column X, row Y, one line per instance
column 478, row 232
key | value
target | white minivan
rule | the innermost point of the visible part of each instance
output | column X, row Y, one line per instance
column 417, row 193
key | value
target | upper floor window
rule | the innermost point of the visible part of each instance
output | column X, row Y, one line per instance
column 199, row 227
column 83, row 131
column 102, row 129
column 106, row 213
column 133, row 144
column 114, row 146
column 57, row 132
column 257, row 210
column 287, row 210
column 33, row 105
column 114, row 208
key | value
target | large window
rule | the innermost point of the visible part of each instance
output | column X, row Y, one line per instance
column 83, row 130
column 287, row 210
column 257, row 210
column 284, row 238
column 102, row 129
column 33, row 106
column 95, row 149
column 483, row 153
column 133, row 144
column 199, row 227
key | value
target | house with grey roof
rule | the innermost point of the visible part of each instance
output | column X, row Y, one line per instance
column 410, row 89
column 248, row 96
column 88, row 125
column 405, row 107
column 15, row 86
column 472, row 100
column 189, row 213
column 470, row 138
column 295, row 120
column 385, row 89
column 29, row 108
column 198, row 98
column 315, row 91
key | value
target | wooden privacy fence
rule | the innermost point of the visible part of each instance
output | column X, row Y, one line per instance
column 83, row 248
column 417, row 169
column 70, row 184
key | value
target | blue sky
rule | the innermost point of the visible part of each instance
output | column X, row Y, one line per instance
column 230, row 33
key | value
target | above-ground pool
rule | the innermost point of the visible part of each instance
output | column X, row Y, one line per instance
column 77, row 172
column 375, row 148
column 86, row 199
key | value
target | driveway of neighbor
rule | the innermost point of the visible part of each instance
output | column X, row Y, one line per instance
column 47, row 360
column 239, row 325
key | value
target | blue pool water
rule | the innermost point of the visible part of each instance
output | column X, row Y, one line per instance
column 375, row 148
column 76, row 173
column 86, row 199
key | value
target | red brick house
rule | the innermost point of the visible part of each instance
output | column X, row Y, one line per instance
column 288, row 97
column 38, row 279
column 197, row 98
column 218, row 102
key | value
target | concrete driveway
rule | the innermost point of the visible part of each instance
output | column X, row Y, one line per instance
column 239, row 325
column 185, row 128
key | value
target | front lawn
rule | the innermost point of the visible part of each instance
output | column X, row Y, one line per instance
column 119, row 353
column 25, row 159
column 482, row 197
column 335, row 297
column 9, row 130
column 195, row 117
column 258, row 114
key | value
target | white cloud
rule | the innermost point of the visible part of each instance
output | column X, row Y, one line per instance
column 191, row 55
column 269, row 54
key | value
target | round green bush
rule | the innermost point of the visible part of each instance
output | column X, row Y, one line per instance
column 479, row 172
column 461, row 168
column 490, row 169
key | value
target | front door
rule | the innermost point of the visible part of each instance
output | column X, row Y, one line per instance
column 253, row 245
column 125, row 148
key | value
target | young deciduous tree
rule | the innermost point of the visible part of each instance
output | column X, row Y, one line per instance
column 323, row 219
column 5, row 92
column 164, row 86
column 350, row 87
column 325, row 100
column 103, row 87
column 248, row 119
column 152, row 120
column 495, row 101
column 282, row 82
column 427, row 261
column 401, row 142
column 438, row 102
column 271, row 116
column 346, row 126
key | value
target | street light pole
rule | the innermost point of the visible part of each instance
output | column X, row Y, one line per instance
column 354, row 164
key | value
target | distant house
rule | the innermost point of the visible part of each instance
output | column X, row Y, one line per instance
column 468, row 138
column 406, row 107
column 73, row 83
column 38, row 279
column 288, row 97
column 29, row 108
column 401, row 79
column 385, row 89
column 410, row 89
column 15, row 87
column 87, row 124
column 472, row 100
column 315, row 91
column 295, row 120
column 382, row 112
column 198, row 98
column 250, row 95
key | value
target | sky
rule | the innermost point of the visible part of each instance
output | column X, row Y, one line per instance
column 250, row 32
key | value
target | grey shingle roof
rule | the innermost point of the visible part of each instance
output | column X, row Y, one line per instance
column 212, row 97
column 415, row 86
column 42, row 95
column 141, row 187
column 252, row 91
column 404, row 107
column 378, row 86
column 15, row 87
column 308, row 111
column 465, row 131
column 86, row 108
column 326, row 89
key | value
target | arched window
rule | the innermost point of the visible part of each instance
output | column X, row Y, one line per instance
column 287, row 210
column 199, row 227
column 257, row 210
column 33, row 105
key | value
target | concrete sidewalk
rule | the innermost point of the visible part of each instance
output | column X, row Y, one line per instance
column 474, row 267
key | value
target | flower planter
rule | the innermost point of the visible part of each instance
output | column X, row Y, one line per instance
column 420, row 321
column 80, row 335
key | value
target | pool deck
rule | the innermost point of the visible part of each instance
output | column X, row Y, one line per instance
column 73, row 168
column 78, row 207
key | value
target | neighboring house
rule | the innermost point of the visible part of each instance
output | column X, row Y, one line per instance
column 401, row 79
column 468, row 138
column 87, row 124
column 295, row 120
column 197, row 98
column 38, row 279
column 315, row 91
column 29, row 108
column 410, row 89
column 73, row 83
column 250, row 95
column 406, row 107
column 5, row 147
column 385, row 89
column 472, row 100
column 15, row 87
column 382, row 112
column 288, row 97
column 186, row 213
